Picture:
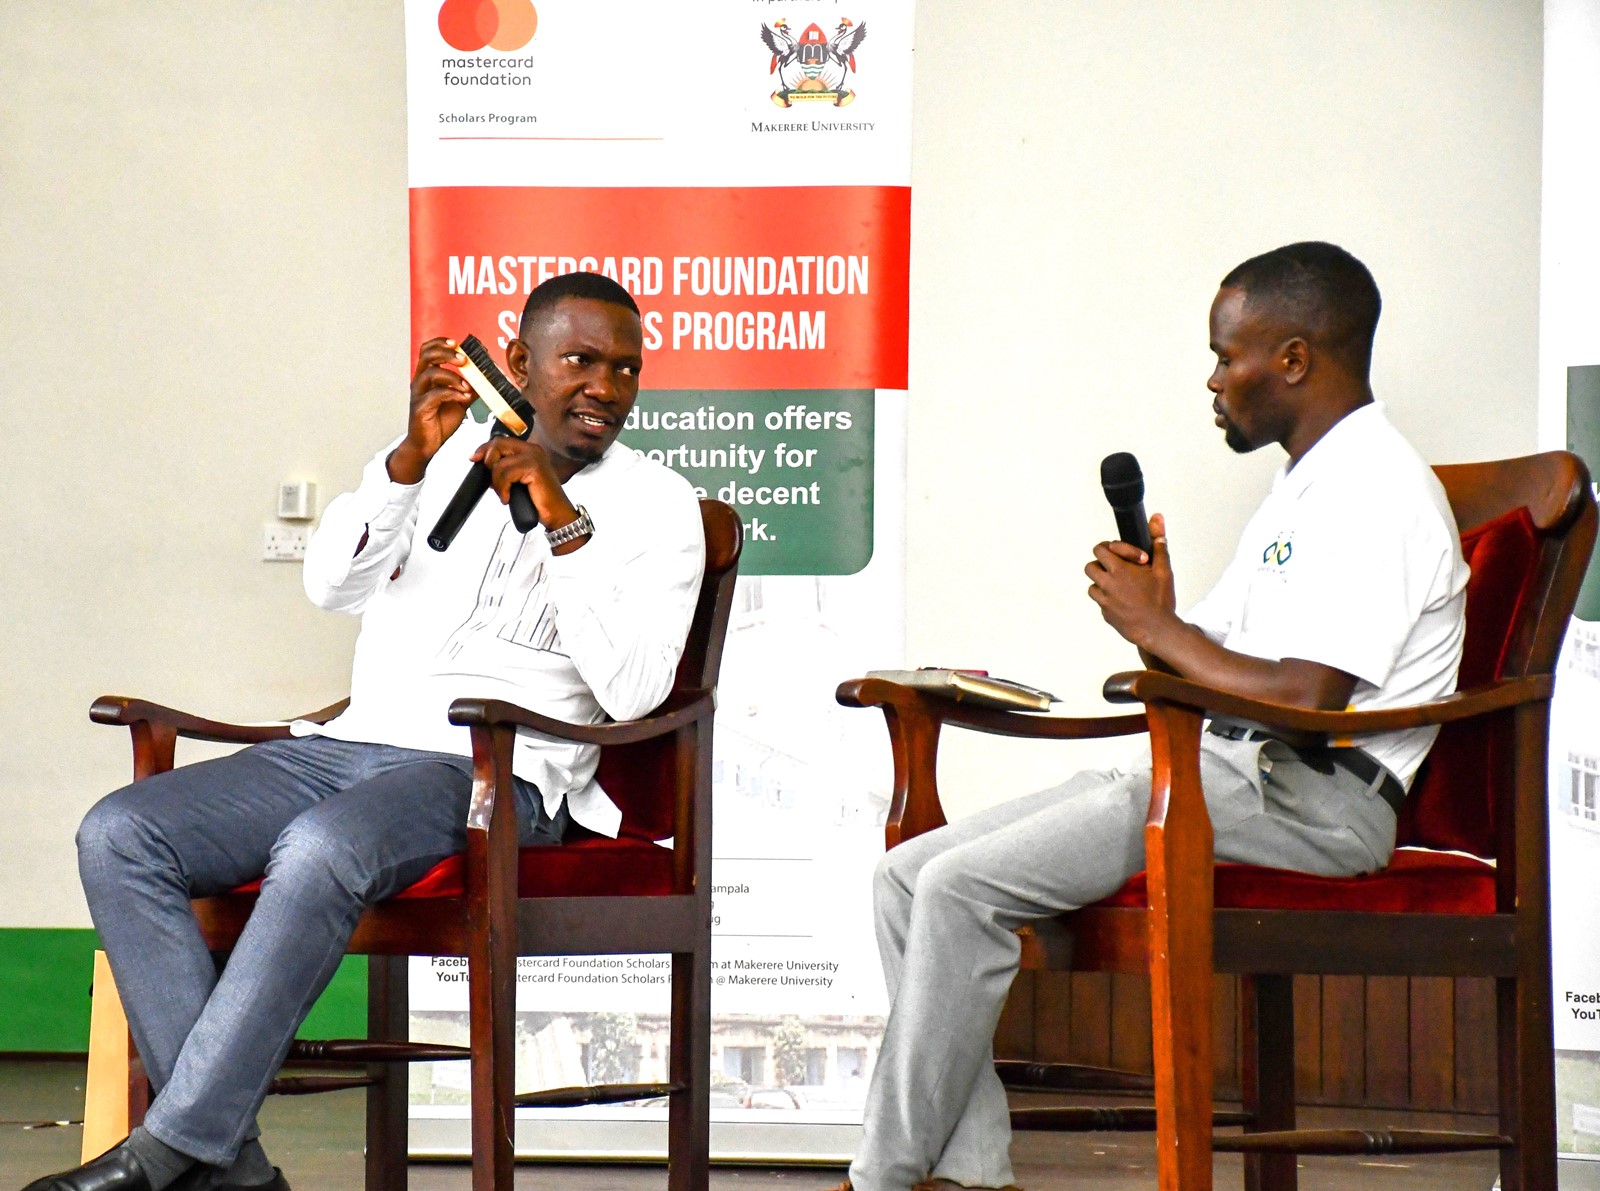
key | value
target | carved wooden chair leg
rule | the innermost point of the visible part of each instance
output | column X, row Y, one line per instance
column 388, row 1013
column 492, row 974
column 1525, row 1005
column 1183, row 1084
column 1530, row 1165
column 689, row 1113
column 116, row 1091
column 1178, row 850
column 1267, row 1075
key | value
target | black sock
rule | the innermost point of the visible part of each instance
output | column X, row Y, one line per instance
column 160, row 1162
column 250, row 1168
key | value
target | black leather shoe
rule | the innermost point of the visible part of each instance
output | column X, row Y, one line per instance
column 115, row 1170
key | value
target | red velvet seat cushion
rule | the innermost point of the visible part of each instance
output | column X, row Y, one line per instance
column 585, row 868
column 1416, row 882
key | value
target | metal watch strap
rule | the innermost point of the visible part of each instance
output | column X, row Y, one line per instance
column 571, row 531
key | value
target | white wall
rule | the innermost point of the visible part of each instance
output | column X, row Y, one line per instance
column 204, row 230
column 204, row 237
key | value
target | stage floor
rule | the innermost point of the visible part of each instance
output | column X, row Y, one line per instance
column 317, row 1140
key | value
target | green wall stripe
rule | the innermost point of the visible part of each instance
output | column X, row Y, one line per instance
column 44, row 993
column 44, row 990
column 341, row 1010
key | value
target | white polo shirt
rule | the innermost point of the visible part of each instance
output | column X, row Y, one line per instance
column 1353, row 561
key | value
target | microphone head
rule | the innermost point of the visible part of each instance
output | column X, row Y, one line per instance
column 1122, row 480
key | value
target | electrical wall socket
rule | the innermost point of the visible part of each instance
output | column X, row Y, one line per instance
column 284, row 543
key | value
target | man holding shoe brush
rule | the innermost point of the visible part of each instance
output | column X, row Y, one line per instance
column 583, row 617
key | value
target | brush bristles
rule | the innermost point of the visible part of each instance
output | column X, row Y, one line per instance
column 489, row 383
column 479, row 355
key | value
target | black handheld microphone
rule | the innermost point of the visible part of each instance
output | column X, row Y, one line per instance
column 512, row 418
column 1124, row 487
column 473, row 485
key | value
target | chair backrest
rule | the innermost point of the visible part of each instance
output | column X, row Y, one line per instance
column 1527, row 528
column 640, row 778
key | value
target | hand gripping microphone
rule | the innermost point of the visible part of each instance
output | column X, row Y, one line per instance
column 512, row 417
column 1124, row 487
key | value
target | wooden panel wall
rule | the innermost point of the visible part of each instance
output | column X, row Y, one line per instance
column 1378, row 1041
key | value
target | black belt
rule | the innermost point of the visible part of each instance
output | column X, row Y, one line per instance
column 1325, row 760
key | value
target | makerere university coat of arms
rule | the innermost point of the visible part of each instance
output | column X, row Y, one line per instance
column 813, row 68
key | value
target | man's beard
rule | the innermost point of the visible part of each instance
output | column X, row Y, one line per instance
column 1234, row 437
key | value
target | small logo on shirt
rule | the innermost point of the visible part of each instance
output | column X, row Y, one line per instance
column 1278, row 553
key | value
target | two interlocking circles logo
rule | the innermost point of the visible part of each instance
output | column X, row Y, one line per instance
column 504, row 25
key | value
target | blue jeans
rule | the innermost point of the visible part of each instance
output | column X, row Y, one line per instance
column 334, row 826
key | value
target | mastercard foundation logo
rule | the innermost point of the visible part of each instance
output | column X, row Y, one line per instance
column 504, row 25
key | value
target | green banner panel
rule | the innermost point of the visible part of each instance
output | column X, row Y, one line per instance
column 795, row 464
column 1583, row 440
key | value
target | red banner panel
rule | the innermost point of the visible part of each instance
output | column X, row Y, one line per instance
column 740, row 288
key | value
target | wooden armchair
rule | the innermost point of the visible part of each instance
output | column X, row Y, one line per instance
column 594, row 896
column 1528, row 526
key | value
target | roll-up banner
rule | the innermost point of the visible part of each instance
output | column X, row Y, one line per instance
column 743, row 169
column 1569, row 407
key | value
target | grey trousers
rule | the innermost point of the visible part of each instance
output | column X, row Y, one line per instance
column 946, row 904
column 335, row 827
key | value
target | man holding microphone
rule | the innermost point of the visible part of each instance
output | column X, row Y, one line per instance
column 1347, row 590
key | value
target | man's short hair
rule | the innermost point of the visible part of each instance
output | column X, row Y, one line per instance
column 593, row 286
column 1319, row 291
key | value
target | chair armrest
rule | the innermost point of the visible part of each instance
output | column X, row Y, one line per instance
column 914, row 718
column 677, row 712
column 491, row 834
column 882, row 692
column 1150, row 686
column 121, row 711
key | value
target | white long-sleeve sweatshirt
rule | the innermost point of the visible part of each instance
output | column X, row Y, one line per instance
column 580, row 636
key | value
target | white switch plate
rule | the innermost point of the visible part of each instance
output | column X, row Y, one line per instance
column 284, row 543
column 297, row 500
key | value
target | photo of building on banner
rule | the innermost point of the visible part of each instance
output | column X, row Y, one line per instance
column 761, row 221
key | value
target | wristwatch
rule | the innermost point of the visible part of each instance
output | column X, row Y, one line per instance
column 571, row 531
